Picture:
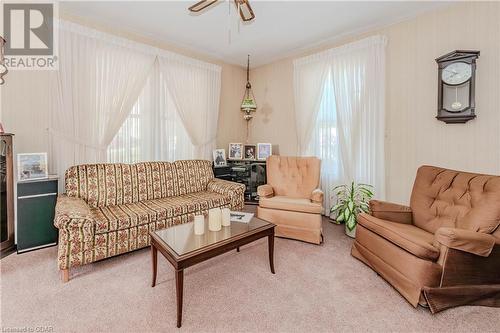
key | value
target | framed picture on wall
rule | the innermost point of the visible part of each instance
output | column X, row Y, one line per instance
column 32, row 166
column 250, row 152
column 264, row 150
column 235, row 151
column 219, row 157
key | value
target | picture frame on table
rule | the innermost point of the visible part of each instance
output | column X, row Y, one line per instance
column 264, row 150
column 32, row 166
column 235, row 151
column 250, row 152
column 219, row 157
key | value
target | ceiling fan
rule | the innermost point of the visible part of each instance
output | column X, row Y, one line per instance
column 243, row 6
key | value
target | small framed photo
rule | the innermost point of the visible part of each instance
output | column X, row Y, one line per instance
column 235, row 151
column 250, row 152
column 219, row 157
column 264, row 150
column 32, row 166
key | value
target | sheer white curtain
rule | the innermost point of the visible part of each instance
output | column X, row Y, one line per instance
column 324, row 142
column 358, row 75
column 348, row 128
column 195, row 90
column 98, row 82
column 153, row 130
column 309, row 75
column 163, row 106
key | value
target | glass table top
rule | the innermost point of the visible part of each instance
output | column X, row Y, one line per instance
column 182, row 240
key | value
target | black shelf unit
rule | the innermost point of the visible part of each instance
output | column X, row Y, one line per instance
column 251, row 173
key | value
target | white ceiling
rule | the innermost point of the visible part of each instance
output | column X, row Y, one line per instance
column 281, row 28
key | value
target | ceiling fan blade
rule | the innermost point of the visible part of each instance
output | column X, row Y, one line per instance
column 246, row 11
column 199, row 6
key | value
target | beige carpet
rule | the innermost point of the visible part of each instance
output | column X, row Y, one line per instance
column 315, row 289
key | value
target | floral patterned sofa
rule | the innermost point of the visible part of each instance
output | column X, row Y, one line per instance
column 109, row 209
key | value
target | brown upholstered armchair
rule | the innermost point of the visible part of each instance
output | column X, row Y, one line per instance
column 443, row 250
column 291, row 198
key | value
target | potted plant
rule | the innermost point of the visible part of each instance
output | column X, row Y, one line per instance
column 351, row 200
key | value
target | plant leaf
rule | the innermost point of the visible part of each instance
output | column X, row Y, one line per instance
column 340, row 217
column 351, row 223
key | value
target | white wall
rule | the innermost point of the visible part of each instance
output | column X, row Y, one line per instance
column 413, row 135
column 25, row 102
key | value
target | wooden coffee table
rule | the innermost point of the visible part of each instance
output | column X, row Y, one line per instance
column 182, row 248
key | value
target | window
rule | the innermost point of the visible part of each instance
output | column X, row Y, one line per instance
column 125, row 146
column 153, row 131
column 324, row 140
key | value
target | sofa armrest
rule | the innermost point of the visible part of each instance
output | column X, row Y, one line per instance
column 391, row 211
column 317, row 196
column 235, row 191
column 477, row 243
column 73, row 216
column 265, row 191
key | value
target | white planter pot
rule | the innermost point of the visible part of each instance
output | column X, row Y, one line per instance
column 350, row 233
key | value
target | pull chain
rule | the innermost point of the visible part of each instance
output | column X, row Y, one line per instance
column 248, row 130
column 229, row 22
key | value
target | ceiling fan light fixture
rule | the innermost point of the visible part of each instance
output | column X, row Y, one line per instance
column 199, row 6
column 246, row 12
column 243, row 7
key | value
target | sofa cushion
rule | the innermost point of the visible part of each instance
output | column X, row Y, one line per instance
column 455, row 199
column 118, row 217
column 295, row 177
column 292, row 204
column 117, row 184
column 409, row 237
column 192, row 175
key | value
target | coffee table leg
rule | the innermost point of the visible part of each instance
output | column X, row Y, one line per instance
column 270, row 240
column 238, row 249
column 154, row 260
column 179, row 282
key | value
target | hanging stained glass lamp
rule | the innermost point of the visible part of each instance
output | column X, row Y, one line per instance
column 248, row 104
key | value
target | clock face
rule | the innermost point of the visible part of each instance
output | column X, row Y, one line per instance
column 456, row 73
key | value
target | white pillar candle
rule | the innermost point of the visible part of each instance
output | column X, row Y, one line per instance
column 214, row 219
column 226, row 217
column 226, row 233
column 199, row 225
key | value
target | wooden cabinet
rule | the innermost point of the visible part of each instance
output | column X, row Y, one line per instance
column 36, row 201
column 6, row 193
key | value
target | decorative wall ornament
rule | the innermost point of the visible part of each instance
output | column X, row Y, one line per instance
column 3, row 68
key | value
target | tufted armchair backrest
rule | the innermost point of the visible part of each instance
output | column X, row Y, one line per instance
column 295, row 177
column 448, row 198
column 115, row 183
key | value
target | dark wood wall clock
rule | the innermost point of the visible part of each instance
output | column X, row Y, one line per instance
column 456, row 86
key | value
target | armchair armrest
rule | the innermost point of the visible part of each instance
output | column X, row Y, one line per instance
column 391, row 211
column 477, row 243
column 317, row 196
column 73, row 216
column 265, row 191
column 235, row 191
